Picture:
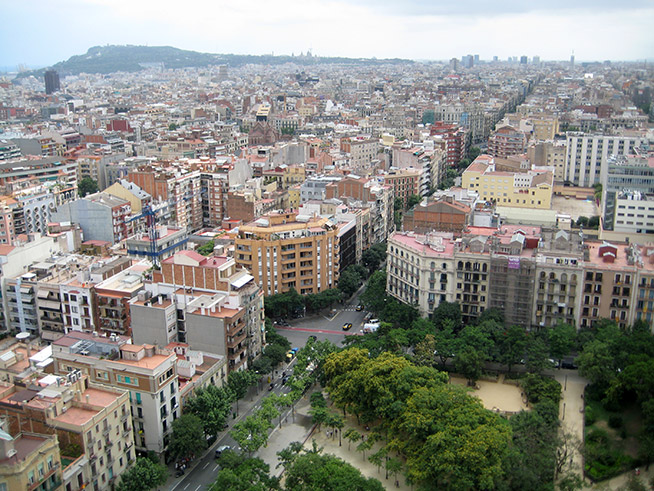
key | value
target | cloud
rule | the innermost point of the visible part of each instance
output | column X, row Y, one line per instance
column 44, row 32
column 474, row 8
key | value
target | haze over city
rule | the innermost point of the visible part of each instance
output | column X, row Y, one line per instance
column 43, row 33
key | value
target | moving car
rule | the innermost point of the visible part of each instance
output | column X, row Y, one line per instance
column 359, row 308
column 221, row 449
column 347, row 326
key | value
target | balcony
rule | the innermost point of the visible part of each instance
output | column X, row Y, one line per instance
column 106, row 430
column 233, row 343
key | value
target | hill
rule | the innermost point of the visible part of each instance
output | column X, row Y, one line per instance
column 109, row 59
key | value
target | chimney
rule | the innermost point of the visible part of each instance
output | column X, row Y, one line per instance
column 88, row 397
column 159, row 300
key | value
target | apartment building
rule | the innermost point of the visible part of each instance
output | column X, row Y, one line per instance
column 537, row 278
column 89, row 420
column 146, row 372
column 531, row 189
column 29, row 461
column 587, row 156
column 628, row 195
column 101, row 216
column 39, row 169
column 167, row 241
column 112, row 298
column 420, row 270
column 287, row 250
column 506, row 141
column 405, row 183
column 549, row 154
column 179, row 185
column 221, row 274
column 558, row 291
column 362, row 151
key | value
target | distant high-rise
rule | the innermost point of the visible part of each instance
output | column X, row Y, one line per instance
column 523, row 60
column 572, row 60
column 476, row 59
column 51, row 82
column 536, row 60
column 467, row 61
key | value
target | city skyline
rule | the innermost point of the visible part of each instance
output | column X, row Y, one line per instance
column 417, row 30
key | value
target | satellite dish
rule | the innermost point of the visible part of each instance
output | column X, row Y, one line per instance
column 22, row 335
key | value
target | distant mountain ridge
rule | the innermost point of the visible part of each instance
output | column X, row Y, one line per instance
column 110, row 59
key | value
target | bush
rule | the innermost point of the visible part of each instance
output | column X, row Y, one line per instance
column 615, row 421
column 590, row 415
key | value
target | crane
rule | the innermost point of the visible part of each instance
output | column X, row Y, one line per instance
column 150, row 216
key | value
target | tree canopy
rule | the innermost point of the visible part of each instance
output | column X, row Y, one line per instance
column 143, row 475
column 87, row 186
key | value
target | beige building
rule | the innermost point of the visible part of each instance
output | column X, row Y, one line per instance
column 287, row 250
column 529, row 189
column 29, row 461
column 148, row 373
column 89, row 420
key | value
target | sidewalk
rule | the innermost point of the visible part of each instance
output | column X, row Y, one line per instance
column 251, row 400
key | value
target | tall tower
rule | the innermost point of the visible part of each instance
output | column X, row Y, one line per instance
column 572, row 59
column 51, row 81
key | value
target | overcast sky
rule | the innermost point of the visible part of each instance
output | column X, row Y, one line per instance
column 43, row 32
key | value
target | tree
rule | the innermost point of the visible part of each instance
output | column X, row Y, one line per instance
column 537, row 353
column 239, row 473
column 473, row 153
column 252, row 433
column 414, row 199
column 374, row 256
column 142, row 476
column 596, row 363
column 561, row 340
column 539, row 388
column 375, row 293
column 364, row 446
column 349, row 281
column 206, row 249
column 87, row 186
column 447, row 311
column 312, row 470
column 450, row 440
column 445, row 342
column 394, row 466
column 276, row 353
column 512, row 346
column 212, row 405
column 424, row 351
column 262, row 365
column 469, row 363
column 593, row 222
column 582, row 221
column 172, row 127
column 187, row 437
column 239, row 383
column 428, row 116
column 352, row 435
column 336, row 422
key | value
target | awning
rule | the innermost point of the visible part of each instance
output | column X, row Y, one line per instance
column 238, row 283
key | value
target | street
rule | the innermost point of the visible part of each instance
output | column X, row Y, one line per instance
column 323, row 327
column 203, row 471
